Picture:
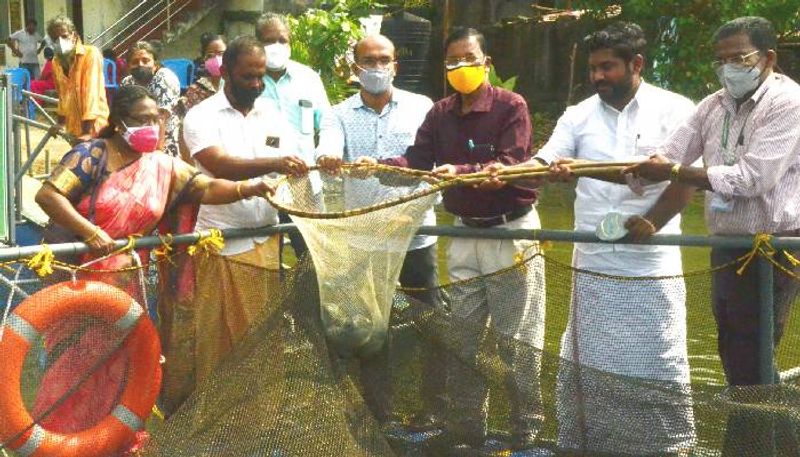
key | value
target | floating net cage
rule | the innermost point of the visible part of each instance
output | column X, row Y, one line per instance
column 332, row 351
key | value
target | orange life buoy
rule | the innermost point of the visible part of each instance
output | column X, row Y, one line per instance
column 143, row 376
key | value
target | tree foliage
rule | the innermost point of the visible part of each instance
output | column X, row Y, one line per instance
column 679, row 34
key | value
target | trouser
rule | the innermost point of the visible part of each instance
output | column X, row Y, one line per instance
column 419, row 271
column 295, row 237
column 736, row 309
column 513, row 301
column 33, row 69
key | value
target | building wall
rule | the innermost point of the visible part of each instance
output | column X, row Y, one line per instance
column 188, row 45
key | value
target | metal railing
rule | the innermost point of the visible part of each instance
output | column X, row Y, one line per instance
column 765, row 267
column 142, row 22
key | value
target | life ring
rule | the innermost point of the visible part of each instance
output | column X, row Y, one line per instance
column 143, row 376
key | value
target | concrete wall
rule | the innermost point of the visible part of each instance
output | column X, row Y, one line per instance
column 188, row 45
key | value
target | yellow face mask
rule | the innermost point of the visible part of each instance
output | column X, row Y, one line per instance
column 466, row 79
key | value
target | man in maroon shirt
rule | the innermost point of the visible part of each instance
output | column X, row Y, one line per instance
column 463, row 133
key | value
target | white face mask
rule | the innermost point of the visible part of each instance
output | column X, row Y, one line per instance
column 739, row 81
column 376, row 81
column 64, row 46
column 277, row 55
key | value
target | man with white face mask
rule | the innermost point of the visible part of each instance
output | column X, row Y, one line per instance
column 78, row 74
column 294, row 89
column 748, row 135
column 382, row 121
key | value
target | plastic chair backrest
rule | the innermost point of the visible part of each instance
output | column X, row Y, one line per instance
column 20, row 79
column 183, row 68
column 110, row 73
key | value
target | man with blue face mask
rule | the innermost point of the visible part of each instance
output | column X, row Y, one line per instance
column 748, row 135
column 382, row 121
column 295, row 90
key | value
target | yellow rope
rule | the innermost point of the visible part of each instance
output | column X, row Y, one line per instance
column 42, row 262
column 761, row 245
column 164, row 252
column 210, row 244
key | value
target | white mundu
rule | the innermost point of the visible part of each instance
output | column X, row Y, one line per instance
column 628, row 328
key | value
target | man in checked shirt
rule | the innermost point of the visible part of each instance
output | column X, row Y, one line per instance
column 748, row 135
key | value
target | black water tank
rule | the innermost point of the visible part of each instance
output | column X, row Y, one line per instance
column 411, row 36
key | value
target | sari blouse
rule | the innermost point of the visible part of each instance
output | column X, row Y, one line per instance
column 132, row 199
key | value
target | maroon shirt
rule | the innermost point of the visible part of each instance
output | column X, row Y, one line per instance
column 497, row 129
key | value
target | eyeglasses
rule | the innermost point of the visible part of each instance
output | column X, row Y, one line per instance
column 372, row 63
column 469, row 61
column 738, row 61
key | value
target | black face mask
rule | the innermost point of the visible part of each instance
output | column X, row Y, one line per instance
column 142, row 74
column 245, row 96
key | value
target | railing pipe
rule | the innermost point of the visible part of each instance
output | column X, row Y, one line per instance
column 125, row 16
column 40, row 97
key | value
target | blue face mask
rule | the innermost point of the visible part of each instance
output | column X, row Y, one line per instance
column 739, row 81
column 376, row 81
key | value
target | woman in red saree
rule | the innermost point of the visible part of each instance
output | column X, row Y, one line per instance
column 107, row 189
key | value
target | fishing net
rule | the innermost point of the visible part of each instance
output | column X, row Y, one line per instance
column 294, row 383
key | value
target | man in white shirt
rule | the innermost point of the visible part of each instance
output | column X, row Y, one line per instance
column 236, row 135
column 25, row 44
column 295, row 90
column 382, row 121
column 626, row 328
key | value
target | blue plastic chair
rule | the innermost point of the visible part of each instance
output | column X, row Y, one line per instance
column 21, row 79
column 183, row 68
column 110, row 73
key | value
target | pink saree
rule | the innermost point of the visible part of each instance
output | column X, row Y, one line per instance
column 132, row 200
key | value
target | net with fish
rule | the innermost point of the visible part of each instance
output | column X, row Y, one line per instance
column 293, row 385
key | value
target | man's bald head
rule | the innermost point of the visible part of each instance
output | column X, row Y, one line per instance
column 373, row 45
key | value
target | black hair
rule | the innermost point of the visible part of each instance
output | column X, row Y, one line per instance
column 759, row 30
column 49, row 53
column 208, row 38
column 31, row 20
column 143, row 46
column 463, row 33
column 108, row 53
column 270, row 17
column 124, row 99
column 242, row 45
column 625, row 39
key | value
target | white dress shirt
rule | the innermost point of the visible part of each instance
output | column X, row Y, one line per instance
column 353, row 130
column 214, row 122
column 594, row 130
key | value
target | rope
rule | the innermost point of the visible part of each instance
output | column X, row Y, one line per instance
column 209, row 244
column 42, row 262
column 436, row 183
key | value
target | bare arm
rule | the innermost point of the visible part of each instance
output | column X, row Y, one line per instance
column 61, row 211
column 674, row 198
column 222, row 165
column 222, row 191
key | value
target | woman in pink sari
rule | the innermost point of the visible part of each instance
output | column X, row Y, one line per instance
column 106, row 189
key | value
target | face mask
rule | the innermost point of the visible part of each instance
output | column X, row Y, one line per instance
column 142, row 139
column 245, row 97
column 738, row 81
column 64, row 46
column 212, row 65
column 466, row 79
column 142, row 74
column 376, row 81
column 277, row 55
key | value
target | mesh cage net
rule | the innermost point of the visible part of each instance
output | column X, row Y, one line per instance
column 286, row 387
column 357, row 270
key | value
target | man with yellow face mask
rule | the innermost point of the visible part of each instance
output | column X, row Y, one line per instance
column 464, row 133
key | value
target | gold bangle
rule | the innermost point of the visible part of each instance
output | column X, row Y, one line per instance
column 239, row 190
column 93, row 235
column 674, row 171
